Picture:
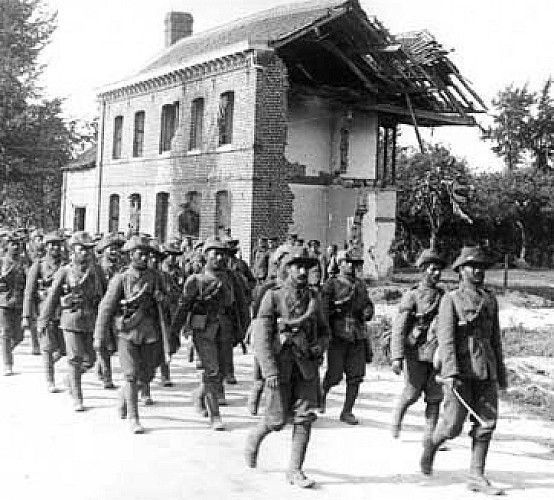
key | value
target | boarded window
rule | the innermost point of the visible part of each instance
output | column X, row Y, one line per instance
column 196, row 123
column 138, row 135
column 386, row 153
column 134, row 213
column 225, row 118
column 189, row 216
column 113, row 214
column 79, row 216
column 222, row 211
column 117, row 137
column 170, row 122
column 162, row 206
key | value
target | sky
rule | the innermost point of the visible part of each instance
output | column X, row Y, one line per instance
column 495, row 43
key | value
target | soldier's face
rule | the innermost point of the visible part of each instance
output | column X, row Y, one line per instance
column 139, row 259
column 112, row 253
column 432, row 273
column 298, row 274
column 473, row 273
column 216, row 258
column 81, row 254
column 54, row 249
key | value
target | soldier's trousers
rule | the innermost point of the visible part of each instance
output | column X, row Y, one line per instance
column 419, row 377
column 80, row 352
column 346, row 358
column 139, row 361
column 11, row 333
column 482, row 396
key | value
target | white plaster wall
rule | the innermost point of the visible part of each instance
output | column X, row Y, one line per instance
column 342, row 205
column 80, row 191
column 362, row 146
column 310, row 208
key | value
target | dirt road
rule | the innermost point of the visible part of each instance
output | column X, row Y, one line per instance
column 49, row 452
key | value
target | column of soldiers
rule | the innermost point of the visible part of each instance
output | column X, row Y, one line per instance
column 87, row 298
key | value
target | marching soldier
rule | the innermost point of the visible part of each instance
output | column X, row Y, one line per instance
column 414, row 341
column 12, row 285
column 472, row 366
column 132, row 301
column 212, row 302
column 260, row 261
column 109, row 248
column 35, row 251
column 77, row 288
column 39, row 280
column 349, row 307
column 290, row 336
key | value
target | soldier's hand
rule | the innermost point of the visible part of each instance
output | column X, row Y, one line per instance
column 272, row 382
column 452, row 383
column 396, row 366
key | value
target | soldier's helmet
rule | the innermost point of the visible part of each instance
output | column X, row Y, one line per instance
column 135, row 242
column 472, row 255
column 214, row 243
column 430, row 256
column 299, row 256
column 82, row 238
column 171, row 248
column 112, row 239
column 54, row 237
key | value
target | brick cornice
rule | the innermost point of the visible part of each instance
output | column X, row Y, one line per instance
column 179, row 76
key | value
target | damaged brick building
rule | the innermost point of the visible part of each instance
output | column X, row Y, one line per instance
column 281, row 121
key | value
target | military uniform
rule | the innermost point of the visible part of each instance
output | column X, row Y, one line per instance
column 260, row 261
column 472, row 365
column 77, row 291
column 39, row 280
column 349, row 307
column 290, row 335
column 413, row 345
column 12, row 285
column 130, row 303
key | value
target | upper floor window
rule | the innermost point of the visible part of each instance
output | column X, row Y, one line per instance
column 113, row 215
column 138, row 135
column 189, row 216
column 222, row 211
column 79, row 217
column 225, row 118
column 134, row 213
column 162, row 206
column 386, row 152
column 117, row 137
column 196, row 123
column 170, row 122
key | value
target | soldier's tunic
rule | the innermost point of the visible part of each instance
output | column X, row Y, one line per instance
column 349, row 306
column 470, row 349
column 39, row 280
column 12, row 285
column 109, row 270
column 138, row 327
column 260, row 264
column 414, row 341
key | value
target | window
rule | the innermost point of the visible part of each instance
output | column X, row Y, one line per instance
column 117, row 137
column 79, row 218
column 196, row 123
column 162, row 205
column 189, row 216
column 170, row 122
column 225, row 118
column 386, row 152
column 344, row 136
column 113, row 214
column 138, row 135
column 134, row 213
column 222, row 211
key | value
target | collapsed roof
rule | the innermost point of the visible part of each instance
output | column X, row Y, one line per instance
column 333, row 49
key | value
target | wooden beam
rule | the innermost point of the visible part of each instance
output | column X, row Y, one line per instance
column 351, row 65
column 414, row 121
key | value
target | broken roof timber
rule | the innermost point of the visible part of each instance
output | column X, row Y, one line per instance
column 425, row 118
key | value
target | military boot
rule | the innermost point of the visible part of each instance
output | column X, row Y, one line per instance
column 199, row 401
column 253, row 443
column 430, row 447
column 7, row 356
column 106, row 364
column 122, row 401
column 300, row 438
column 346, row 414
column 165, row 376
column 76, row 389
column 431, row 419
column 132, row 404
column 221, row 400
column 477, row 481
column 323, row 400
column 48, row 364
column 255, row 397
column 35, row 346
column 398, row 416
column 145, row 393
column 213, row 410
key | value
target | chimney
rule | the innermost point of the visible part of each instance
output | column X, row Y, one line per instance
column 177, row 25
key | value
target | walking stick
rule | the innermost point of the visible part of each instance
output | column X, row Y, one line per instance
column 483, row 423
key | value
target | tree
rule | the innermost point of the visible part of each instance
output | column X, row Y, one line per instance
column 524, row 123
column 34, row 140
column 434, row 191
